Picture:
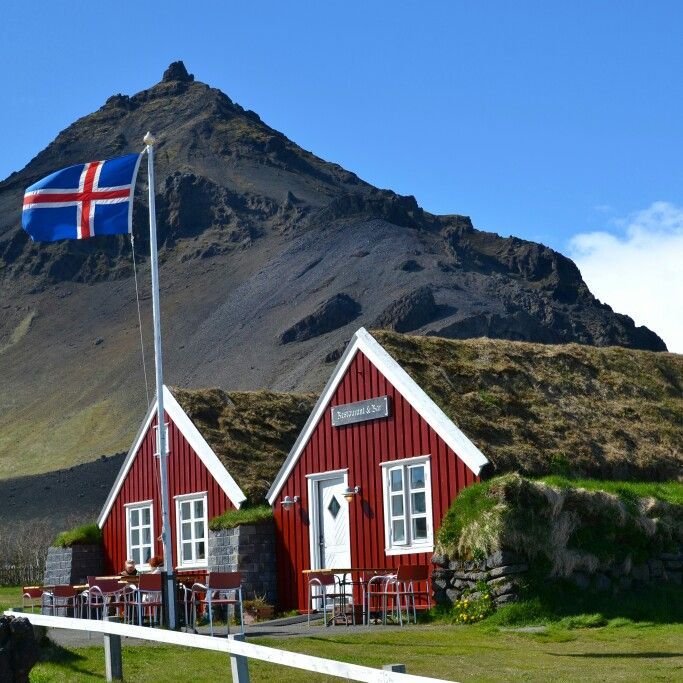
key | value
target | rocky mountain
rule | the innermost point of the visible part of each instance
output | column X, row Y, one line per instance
column 270, row 259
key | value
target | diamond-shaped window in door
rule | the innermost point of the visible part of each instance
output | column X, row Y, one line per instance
column 334, row 507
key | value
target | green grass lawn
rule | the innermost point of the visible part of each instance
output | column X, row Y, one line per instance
column 10, row 596
column 622, row 651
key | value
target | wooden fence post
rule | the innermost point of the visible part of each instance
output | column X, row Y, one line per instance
column 113, row 664
column 239, row 665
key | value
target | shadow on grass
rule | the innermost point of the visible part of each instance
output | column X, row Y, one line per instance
column 51, row 653
column 561, row 601
column 619, row 655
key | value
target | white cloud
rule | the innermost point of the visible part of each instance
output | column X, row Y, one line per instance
column 638, row 268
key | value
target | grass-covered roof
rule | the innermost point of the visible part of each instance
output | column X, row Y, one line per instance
column 610, row 413
column 251, row 432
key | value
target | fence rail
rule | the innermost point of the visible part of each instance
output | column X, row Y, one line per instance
column 234, row 646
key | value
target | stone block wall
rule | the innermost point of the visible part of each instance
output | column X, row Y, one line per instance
column 505, row 573
column 250, row 549
column 72, row 565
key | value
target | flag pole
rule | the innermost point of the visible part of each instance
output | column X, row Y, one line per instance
column 150, row 141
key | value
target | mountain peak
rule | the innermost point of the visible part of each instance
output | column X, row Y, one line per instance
column 177, row 72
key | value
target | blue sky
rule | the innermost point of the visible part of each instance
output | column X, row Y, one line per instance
column 547, row 120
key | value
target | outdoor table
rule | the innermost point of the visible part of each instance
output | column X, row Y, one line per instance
column 347, row 579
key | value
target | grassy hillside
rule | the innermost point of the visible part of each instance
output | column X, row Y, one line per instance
column 609, row 413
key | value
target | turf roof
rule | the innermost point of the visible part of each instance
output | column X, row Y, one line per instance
column 609, row 413
column 250, row 432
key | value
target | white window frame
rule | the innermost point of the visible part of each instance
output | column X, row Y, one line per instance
column 408, row 546
column 191, row 497
column 140, row 506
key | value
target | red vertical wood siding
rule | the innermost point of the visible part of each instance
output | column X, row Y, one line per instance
column 186, row 474
column 361, row 448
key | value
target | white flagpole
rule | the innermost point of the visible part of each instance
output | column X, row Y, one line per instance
column 150, row 141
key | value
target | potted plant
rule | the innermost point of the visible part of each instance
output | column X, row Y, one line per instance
column 257, row 609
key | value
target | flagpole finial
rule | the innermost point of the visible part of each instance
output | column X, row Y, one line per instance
column 149, row 139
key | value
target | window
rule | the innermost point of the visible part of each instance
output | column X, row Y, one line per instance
column 192, row 530
column 407, row 506
column 140, row 532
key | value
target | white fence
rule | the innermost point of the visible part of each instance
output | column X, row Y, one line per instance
column 234, row 646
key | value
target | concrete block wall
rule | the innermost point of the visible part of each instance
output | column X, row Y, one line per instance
column 72, row 565
column 250, row 549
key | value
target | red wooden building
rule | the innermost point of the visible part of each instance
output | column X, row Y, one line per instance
column 377, row 437
column 200, row 488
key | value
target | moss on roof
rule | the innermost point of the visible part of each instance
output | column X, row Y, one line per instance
column 609, row 413
column 251, row 432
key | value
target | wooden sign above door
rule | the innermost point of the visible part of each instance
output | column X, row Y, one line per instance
column 350, row 413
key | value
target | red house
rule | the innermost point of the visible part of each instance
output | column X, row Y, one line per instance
column 376, row 433
column 200, row 488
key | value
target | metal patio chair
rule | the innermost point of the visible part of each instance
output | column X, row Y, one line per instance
column 318, row 585
column 216, row 593
column 146, row 599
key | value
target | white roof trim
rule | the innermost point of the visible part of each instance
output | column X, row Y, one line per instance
column 405, row 385
column 196, row 441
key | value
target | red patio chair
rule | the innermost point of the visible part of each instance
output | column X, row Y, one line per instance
column 100, row 595
column 33, row 596
column 146, row 599
column 397, row 588
column 66, row 598
column 219, row 585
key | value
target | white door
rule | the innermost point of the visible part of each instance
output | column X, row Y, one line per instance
column 334, row 546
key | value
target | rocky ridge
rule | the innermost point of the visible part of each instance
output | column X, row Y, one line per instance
column 257, row 237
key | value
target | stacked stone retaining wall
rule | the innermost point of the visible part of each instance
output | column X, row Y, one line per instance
column 249, row 549
column 505, row 573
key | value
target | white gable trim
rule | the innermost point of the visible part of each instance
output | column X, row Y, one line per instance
column 199, row 446
column 405, row 385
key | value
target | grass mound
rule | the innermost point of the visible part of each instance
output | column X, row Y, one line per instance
column 246, row 515
column 87, row 534
column 563, row 525
column 565, row 409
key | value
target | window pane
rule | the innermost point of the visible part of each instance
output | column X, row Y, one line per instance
column 397, row 506
column 136, row 556
column 417, row 477
column 199, row 529
column 396, row 477
column 135, row 537
column 146, row 554
column 145, row 516
column 134, row 518
column 146, row 536
column 398, row 531
column 187, row 552
column 199, row 508
column 420, row 528
column 186, row 530
column 185, row 510
column 419, row 502
column 200, row 550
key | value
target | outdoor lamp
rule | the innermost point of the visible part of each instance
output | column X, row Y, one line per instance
column 349, row 493
column 288, row 502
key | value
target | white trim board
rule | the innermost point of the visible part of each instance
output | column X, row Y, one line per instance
column 194, row 438
column 363, row 341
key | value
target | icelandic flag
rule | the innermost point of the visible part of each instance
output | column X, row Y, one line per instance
column 83, row 200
